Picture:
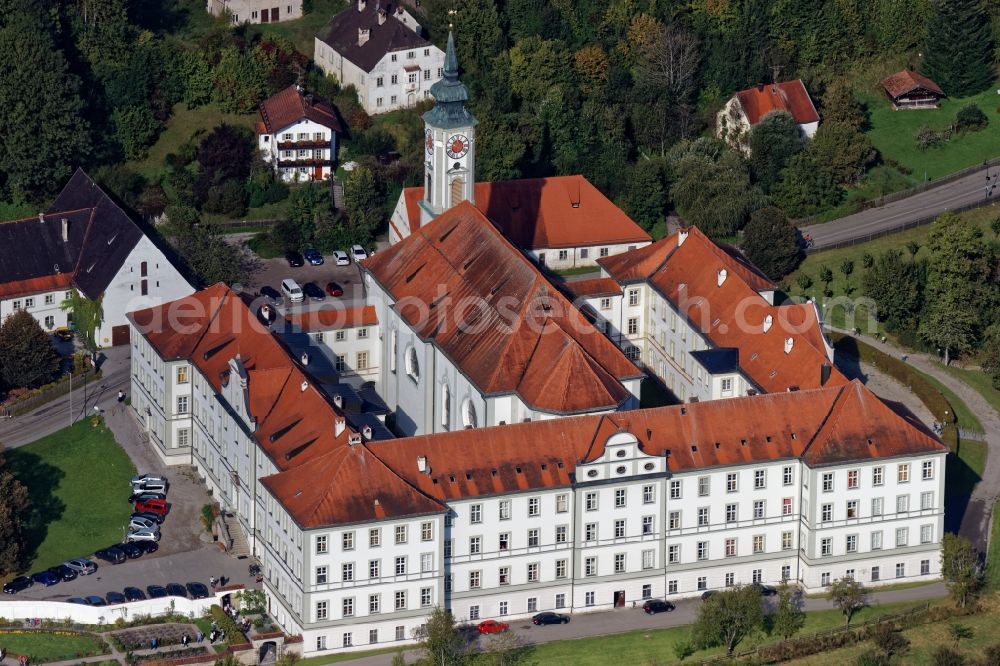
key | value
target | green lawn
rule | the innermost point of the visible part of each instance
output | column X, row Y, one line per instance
column 892, row 133
column 302, row 32
column 77, row 480
column 181, row 126
column 966, row 419
column 993, row 555
column 346, row 656
column 964, row 469
column 43, row 647
column 924, row 639
column 978, row 380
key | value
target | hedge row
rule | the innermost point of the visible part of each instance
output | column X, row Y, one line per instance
column 234, row 636
column 932, row 398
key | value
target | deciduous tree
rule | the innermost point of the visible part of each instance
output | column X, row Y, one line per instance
column 849, row 596
column 13, row 507
column 842, row 152
column 788, row 617
column 363, row 202
column 27, row 358
column 212, row 259
column 440, row 640
column 771, row 242
column 727, row 617
column 773, row 142
column 960, row 568
column 896, row 286
column 804, row 188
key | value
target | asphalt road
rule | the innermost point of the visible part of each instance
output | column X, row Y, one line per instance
column 947, row 196
column 586, row 625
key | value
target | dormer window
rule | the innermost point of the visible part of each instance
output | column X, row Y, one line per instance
column 723, row 274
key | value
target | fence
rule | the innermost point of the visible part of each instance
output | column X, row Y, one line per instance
column 64, row 611
column 919, row 222
column 235, row 226
column 779, row 646
column 27, row 404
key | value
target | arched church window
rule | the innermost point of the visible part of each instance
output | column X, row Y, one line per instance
column 412, row 365
column 457, row 191
column 468, row 414
column 445, row 405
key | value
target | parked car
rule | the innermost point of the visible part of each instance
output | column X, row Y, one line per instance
column 115, row 598
column 63, row 334
column 707, row 594
column 155, row 517
column 143, row 479
column 271, row 294
column 94, row 600
column 292, row 290
column 492, row 627
column 312, row 256
column 334, row 289
column 143, row 535
column 134, row 594
column 654, row 606
column 340, row 258
column 145, row 496
column 176, row 590
column 64, row 572
column 156, row 591
column 294, row 259
column 77, row 600
column 550, row 618
column 312, row 290
column 358, row 253
column 131, row 550
column 147, row 546
column 197, row 590
column 766, row 590
column 46, row 578
column 140, row 522
column 81, row 565
column 19, row 584
column 113, row 554
column 152, row 506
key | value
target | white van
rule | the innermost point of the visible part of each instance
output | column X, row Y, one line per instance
column 292, row 290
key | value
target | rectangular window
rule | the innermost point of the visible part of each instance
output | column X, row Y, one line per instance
column 340, row 363
column 560, row 600
column 400, row 600
column 900, row 570
column 786, row 506
column 902, row 503
column 562, row 503
column 675, row 489
column 504, row 540
column 902, row 537
column 504, row 509
column 533, row 571
column 759, row 479
column 671, row 587
column 876, row 506
column 321, row 642
column 426, row 562
column 633, row 297
column 648, row 559
column 673, row 554
column 476, row 514
column 619, row 498
column 786, row 572
column 787, row 476
column 703, row 486
column 702, row 583
column 348, row 607
column 374, row 537
column 786, row 540
column 590, row 566
column 347, row 572
column 340, row 336
column 732, row 484
column 590, row 502
column 876, row 540
column 647, row 524
column 648, row 494
column 620, row 528
column 876, row 574
column 321, row 575
column 758, row 543
column 560, row 568
column 182, row 374
column 532, row 604
column 926, row 533
column 730, row 513
column 378, row 81
column 926, row 500
column 475, row 580
column 903, row 473
column 321, row 610
column 504, row 575
column 632, row 326
column 927, row 470
column 852, row 478
column 182, row 404
column 374, row 568
column 851, row 543
column 361, row 361
column 925, row 567
column 674, row 520
column 605, row 303
column 758, row 509
column 50, row 321
column 826, row 547
column 619, row 562
column 534, row 506
column 826, row 513
column 702, row 550
column 589, row 599
column 400, row 534
column 852, row 509
column 474, row 612
column 730, row 579
column 426, row 531
column 824, row 579
column 878, row 474
column 562, row 532
column 533, row 540
column 321, row 544
column 730, row 547
column 400, row 565
column 590, row 532
column 50, row 299
column 828, row 482
column 703, row 516
column 347, row 639
column 475, row 545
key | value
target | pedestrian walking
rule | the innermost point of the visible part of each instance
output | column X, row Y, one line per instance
column 211, row 581
column 184, row 640
column 97, row 410
column 201, row 637
column 121, row 396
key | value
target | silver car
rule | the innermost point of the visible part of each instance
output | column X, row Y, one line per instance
column 140, row 523
column 143, row 535
column 81, row 565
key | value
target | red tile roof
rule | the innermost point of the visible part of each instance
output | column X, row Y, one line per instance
column 290, row 106
column 547, row 213
column 789, row 96
column 36, row 285
column 461, row 269
column 822, row 426
column 334, row 317
column 733, row 314
column 593, row 287
column 907, row 81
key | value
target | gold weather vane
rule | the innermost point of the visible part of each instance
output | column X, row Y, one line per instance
column 452, row 12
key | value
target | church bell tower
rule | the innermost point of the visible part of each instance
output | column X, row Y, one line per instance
column 450, row 144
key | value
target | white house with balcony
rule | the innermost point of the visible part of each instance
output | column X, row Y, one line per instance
column 382, row 52
column 297, row 135
column 256, row 11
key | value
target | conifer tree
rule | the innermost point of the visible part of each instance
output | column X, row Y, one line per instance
column 959, row 51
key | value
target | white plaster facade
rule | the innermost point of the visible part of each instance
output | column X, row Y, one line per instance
column 354, row 352
column 256, row 11
column 303, row 151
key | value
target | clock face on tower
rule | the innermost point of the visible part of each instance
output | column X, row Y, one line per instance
column 458, row 146
column 429, row 141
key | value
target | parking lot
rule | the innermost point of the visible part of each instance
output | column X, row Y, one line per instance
column 348, row 277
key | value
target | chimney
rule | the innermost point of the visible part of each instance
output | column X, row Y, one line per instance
column 723, row 274
column 422, row 465
column 789, row 343
column 768, row 321
column 361, row 5
column 65, row 230
column 304, row 358
column 399, row 10
column 41, row 218
column 338, row 400
column 362, row 36
column 367, row 432
column 339, row 425
column 682, row 236
column 353, row 439
column 303, row 386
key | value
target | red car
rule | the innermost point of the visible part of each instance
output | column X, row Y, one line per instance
column 157, row 506
column 334, row 289
column 492, row 627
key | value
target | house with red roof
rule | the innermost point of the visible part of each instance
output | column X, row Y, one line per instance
column 560, row 221
column 297, row 135
column 748, row 107
column 909, row 90
column 702, row 319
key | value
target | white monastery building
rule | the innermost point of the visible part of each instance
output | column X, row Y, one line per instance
column 361, row 535
column 256, row 11
column 83, row 243
column 560, row 222
column 748, row 107
column 380, row 49
column 297, row 135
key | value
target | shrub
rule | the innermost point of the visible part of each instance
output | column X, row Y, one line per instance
column 928, row 137
column 233, row 634
column 970, row 118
